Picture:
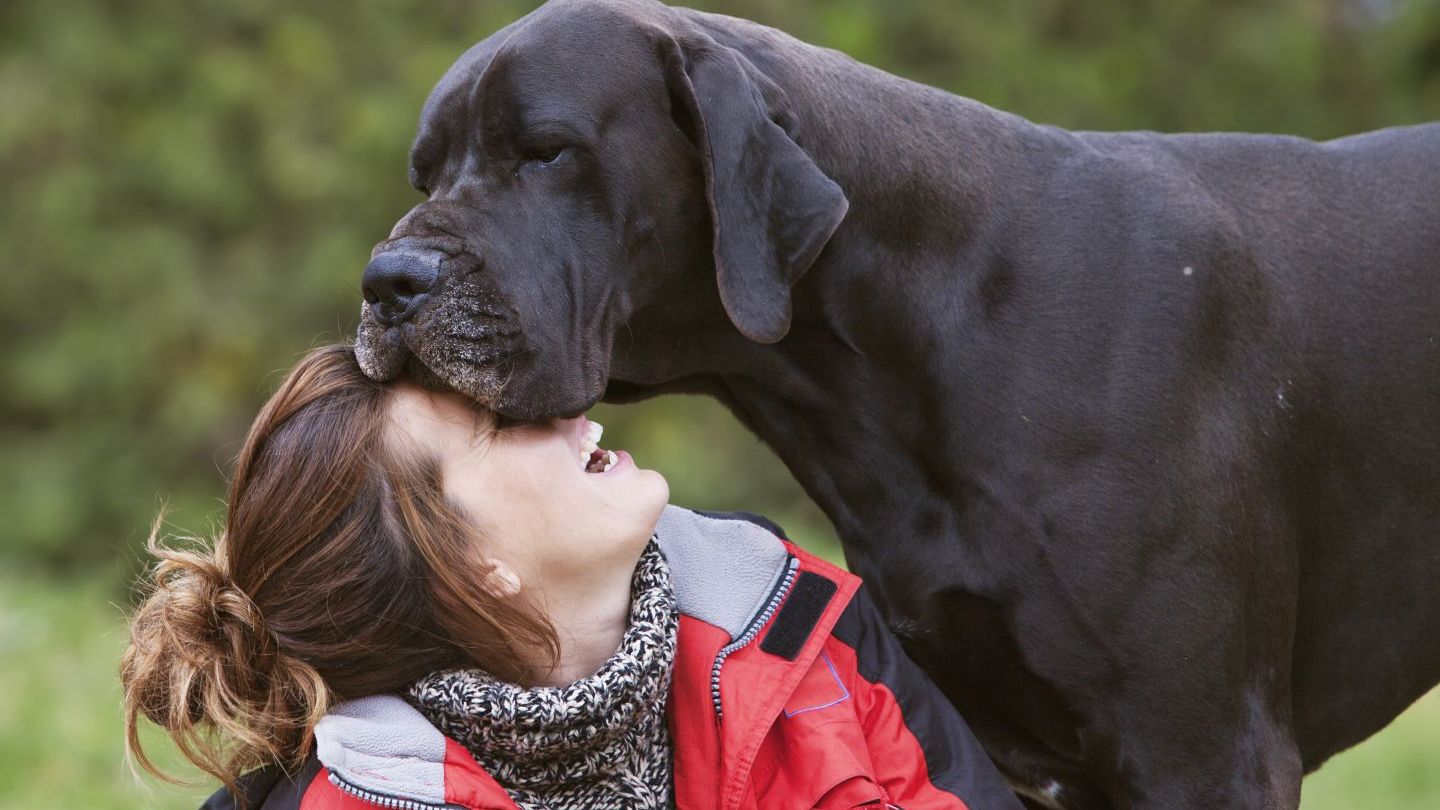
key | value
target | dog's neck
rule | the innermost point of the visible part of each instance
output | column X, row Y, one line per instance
column 844, row 395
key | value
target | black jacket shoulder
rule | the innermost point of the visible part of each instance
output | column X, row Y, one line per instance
column 267, row 788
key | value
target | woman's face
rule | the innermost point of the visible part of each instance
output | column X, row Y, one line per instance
column 528, row 491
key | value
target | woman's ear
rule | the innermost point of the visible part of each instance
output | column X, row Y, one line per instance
column 501, row 580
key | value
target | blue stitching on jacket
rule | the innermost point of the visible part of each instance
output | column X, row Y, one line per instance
column 836, row 701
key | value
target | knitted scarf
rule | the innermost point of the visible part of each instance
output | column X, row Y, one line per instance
column 600, row 742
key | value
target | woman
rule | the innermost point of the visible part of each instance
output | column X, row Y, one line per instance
column 416, row 603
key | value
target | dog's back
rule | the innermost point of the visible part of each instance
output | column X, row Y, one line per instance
column 1306, row 278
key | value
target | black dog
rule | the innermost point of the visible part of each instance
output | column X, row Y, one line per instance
column 1136, row 436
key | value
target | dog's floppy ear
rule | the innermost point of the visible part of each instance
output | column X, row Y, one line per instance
column 771, row 207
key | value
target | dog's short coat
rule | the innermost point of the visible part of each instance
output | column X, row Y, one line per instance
column 1135, row 436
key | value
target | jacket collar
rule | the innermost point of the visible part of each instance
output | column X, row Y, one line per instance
column 382, row 750
column 724, row 570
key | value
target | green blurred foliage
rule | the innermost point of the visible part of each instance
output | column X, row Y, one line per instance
column 61, row 737
column 191, row 189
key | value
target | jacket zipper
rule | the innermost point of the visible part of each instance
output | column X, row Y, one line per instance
column 771, row 605
column 383, row 800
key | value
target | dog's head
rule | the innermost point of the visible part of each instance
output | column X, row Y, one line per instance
column 589, row 161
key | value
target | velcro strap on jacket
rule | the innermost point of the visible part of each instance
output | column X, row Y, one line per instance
column 799, row 615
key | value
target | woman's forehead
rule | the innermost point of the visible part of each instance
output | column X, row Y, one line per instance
column 435, row 419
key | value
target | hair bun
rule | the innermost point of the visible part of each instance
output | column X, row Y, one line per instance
column 212, row 623
column 202, row 658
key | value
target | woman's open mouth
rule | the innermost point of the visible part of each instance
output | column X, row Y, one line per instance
column 593, row 457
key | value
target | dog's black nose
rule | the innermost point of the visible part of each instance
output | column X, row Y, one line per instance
column 396, row 279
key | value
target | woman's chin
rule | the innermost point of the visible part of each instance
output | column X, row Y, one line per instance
column 633, row 494
column 653, row 493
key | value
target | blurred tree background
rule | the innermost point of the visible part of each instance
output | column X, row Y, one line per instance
column 191, row 189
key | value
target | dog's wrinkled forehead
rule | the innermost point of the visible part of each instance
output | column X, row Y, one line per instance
column 564, row 61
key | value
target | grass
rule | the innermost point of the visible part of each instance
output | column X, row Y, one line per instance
column 61, row 736
column 1397, row 769
column 61, row 743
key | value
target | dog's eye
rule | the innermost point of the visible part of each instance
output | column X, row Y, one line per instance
column 548, row 155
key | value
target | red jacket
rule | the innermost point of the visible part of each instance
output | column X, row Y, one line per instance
column 806, row 700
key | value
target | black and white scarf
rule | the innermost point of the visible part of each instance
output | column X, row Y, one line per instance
column 600, row 742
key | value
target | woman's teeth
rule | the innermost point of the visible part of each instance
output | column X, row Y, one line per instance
column 600, row 461
column 590, row 441
column 592, row 458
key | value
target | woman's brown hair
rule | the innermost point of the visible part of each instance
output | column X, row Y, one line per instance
column 342, row 571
